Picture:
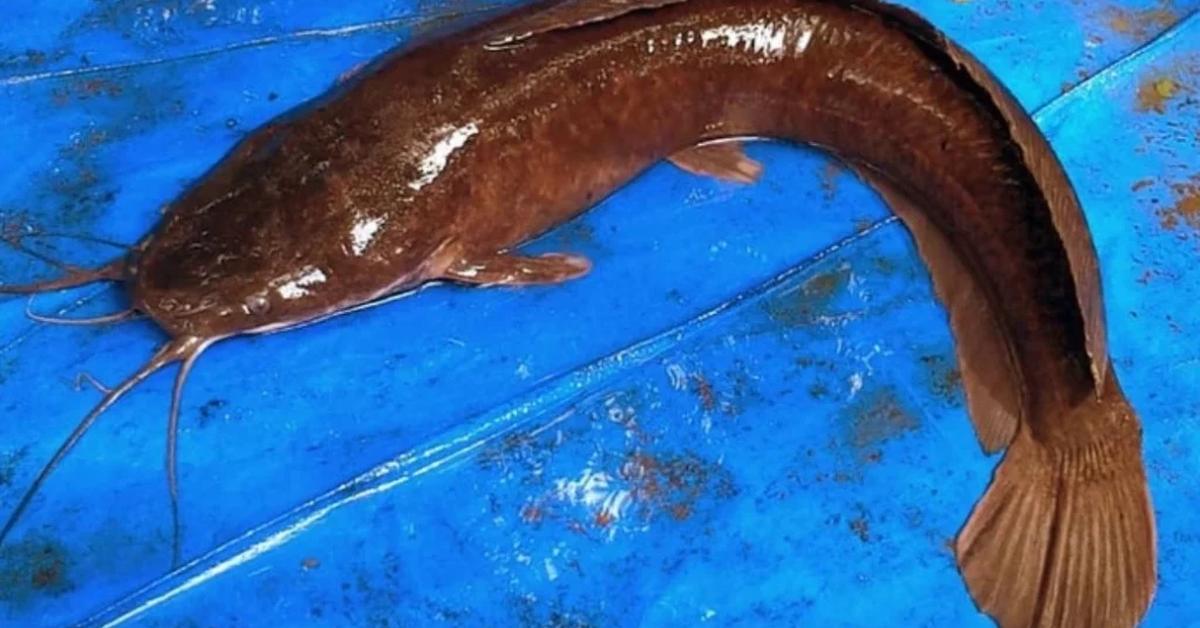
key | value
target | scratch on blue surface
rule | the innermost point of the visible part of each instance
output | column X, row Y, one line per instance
column 312, row 33
column 81, row 33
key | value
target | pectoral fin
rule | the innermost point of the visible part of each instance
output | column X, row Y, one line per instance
column 505, row 269
column 727, row 161
column 989, row 369
column 568, row 14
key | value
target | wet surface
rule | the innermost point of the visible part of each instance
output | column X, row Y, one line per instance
column 683, row 436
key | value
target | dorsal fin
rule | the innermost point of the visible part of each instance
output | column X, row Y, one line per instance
column 568, row 14
column 990, row 375
column 1048, row 173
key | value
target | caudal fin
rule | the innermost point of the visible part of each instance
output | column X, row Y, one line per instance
column 1063, row 538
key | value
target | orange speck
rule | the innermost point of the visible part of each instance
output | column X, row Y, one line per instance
column 531, row 513
column 1154, row 94
column 704, row 390
column 1142, row 184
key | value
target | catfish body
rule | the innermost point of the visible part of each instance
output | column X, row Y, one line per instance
column 457, row 151
column 437, row 162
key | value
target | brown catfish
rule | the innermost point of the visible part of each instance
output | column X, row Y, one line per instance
column 436, row 162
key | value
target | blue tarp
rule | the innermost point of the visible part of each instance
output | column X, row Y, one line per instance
column 748, row 414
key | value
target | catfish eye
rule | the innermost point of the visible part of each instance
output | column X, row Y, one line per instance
column 258, row 303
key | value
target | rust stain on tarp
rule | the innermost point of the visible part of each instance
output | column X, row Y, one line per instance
column 519, row 448
column 1186, row 210
column 1142, row 24
column 800, row 307
column 829, row 179
column 824, row 285
column 33, row 567
column 674, row 484
column 644, row 487
column 945, row 380
column 28, row 59
column 85, row 89
column 77, row 183
column 1171, row 86
column 1155, row 93
column 860, row 525
column 1142, row 184
column 704, row 391
column 9, row 461
column 876, row 419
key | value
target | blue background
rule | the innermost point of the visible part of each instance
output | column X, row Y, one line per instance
column 748, row 413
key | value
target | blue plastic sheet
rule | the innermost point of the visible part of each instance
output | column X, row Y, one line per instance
column 748, row 413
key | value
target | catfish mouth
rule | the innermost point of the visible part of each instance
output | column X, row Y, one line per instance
column 179, row 318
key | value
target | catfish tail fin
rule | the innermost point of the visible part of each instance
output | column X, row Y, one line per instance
column 1065, row 536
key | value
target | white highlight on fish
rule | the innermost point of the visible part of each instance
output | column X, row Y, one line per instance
column 435, row 162
column 804, row 39
column 298, row 287
column 363, row 232
column 760, row 37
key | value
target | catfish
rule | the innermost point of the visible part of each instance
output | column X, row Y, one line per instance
column 437, row 161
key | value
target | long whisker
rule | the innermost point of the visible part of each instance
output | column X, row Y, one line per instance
column 73, row 236
column 172, row 442
column 173, row 351
column 87, row 377
column 46, row 258
column 103, row 319
column 112, row 271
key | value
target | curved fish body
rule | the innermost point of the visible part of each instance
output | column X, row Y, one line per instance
column 437, row 161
